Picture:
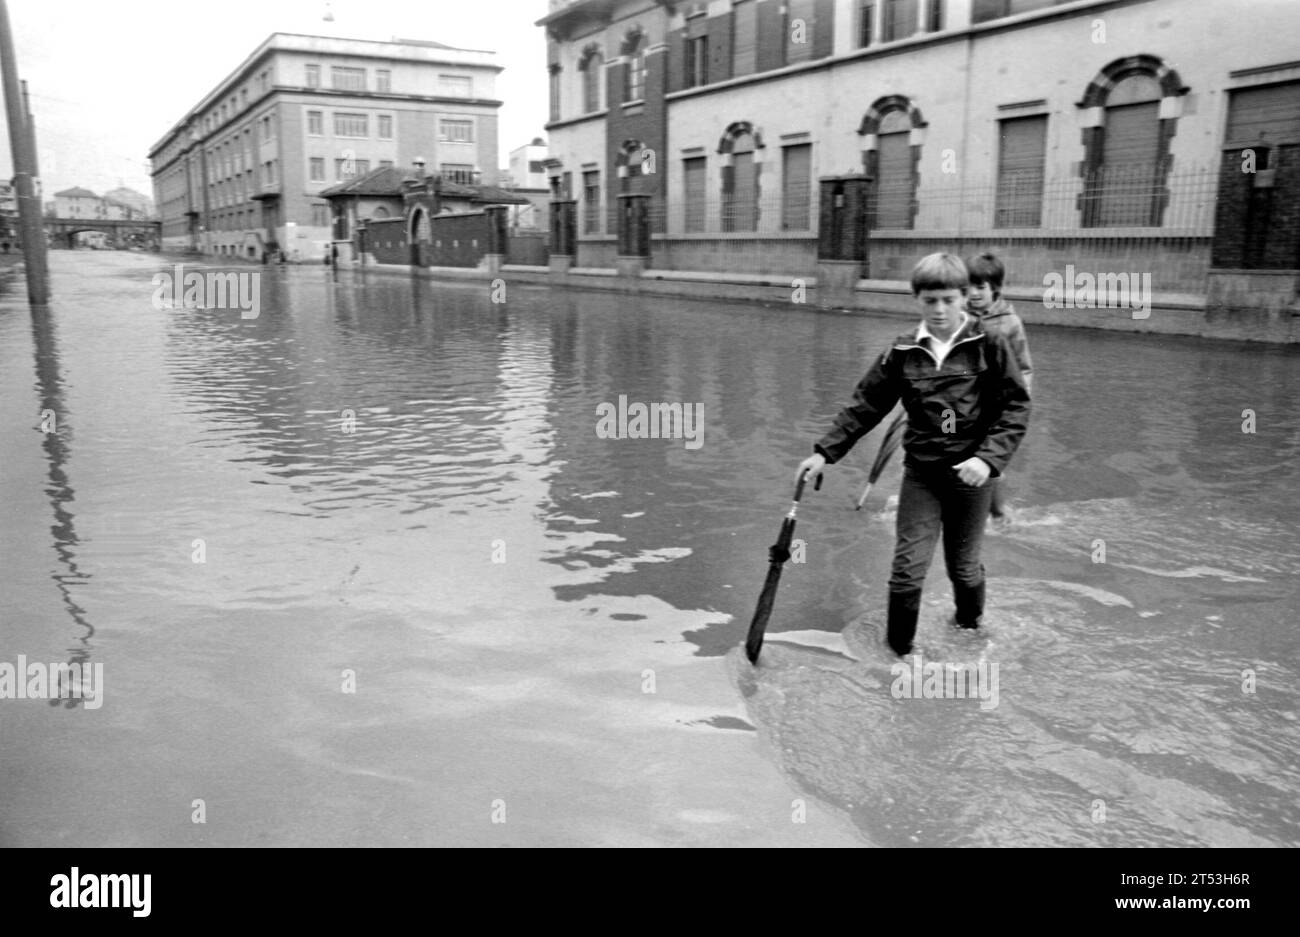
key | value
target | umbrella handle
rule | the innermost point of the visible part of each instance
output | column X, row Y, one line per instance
column 798, row 488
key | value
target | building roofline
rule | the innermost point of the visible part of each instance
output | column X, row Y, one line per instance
column 267, row 46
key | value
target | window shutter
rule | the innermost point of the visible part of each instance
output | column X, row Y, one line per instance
column 894, row 182
column 1020, row 172
column 745, row 53
column 802, row 51
column 1274, row 111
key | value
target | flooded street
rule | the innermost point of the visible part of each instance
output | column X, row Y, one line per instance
column 361, row 571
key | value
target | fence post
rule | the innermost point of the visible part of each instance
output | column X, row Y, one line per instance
column 841, row 238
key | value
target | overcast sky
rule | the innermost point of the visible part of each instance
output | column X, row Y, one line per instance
column 108, row 79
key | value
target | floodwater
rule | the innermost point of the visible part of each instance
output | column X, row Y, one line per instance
column 361, row 571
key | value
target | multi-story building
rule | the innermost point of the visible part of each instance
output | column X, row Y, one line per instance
column 241, row 173
column 140, row 205
column 527, row 169
column 83, row 203
column 1104, row 133
column 78, row 203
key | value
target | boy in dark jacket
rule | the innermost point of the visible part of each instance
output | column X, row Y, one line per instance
column 967, row 410
column 984, row 300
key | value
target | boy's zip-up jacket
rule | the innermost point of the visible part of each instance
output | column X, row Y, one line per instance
column 974, row 404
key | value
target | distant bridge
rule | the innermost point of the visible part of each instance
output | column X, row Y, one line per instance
column 63, row 231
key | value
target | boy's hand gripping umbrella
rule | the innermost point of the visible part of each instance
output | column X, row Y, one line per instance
column 893, row 436
column 778, row 553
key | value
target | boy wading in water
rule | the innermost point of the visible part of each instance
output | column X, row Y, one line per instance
column 984, row 300
column 967, row 410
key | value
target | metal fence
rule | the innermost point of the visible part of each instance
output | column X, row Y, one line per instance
column 1180, row 203
column 1119, row 197
column 776, row 231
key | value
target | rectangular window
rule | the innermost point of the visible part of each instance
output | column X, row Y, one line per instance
column 591, row 202
column 796, row 187
column 347, row 79
column 934, row 16
column 457, row 172
column 744, row 38
column 385, row 164
column 555, row 93
column 895, row 183
column 385, row 126
column 866, row 23
column 695, row 191
column 268, row 128
column 455, row 86
column 351, row 125
column 634, row 77
column 313, row 76
column 592, row 75
column 697, row 62
column 740, row 208
column 383, row 80
column 799, row 25
column 1125, row 189
column 1022, row 153
column 984, row 10
column 315, row 123
column 320, row 216
column 350, row 168
column 317, row 169
column 456, row 131
column 900, row 19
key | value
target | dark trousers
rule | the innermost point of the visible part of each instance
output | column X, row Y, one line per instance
column 932, row 502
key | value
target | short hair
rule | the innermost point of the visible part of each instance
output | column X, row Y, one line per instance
column 986, row 268
column 939, row 272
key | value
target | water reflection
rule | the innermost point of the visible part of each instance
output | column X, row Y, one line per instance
column 56, row 445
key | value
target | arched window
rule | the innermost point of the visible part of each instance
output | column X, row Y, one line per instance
column 1130, row 115
column 742, row 162
column 634, row 68
column 1130, row 151
column 891, row 132
column 894, row 172
column 421, row 233
column 593, row 72
column 379, row 212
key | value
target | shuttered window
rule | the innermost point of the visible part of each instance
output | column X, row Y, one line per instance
column 1125, row 185
column 740, row 205
column 866, row 23
column 592, row 73
column 695, row 191
column 984, row 10
column 799, row 26
column 901, row 19
column 1021, row 155
column 591, row 202
column 744, row 38
column 894, row 172
column 1271, row 113
column 796, row 187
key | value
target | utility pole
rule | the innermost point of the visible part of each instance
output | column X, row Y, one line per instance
column 22, row 144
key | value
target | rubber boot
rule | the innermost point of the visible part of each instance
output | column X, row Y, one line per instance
column 970, row 604
column 904, row 609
